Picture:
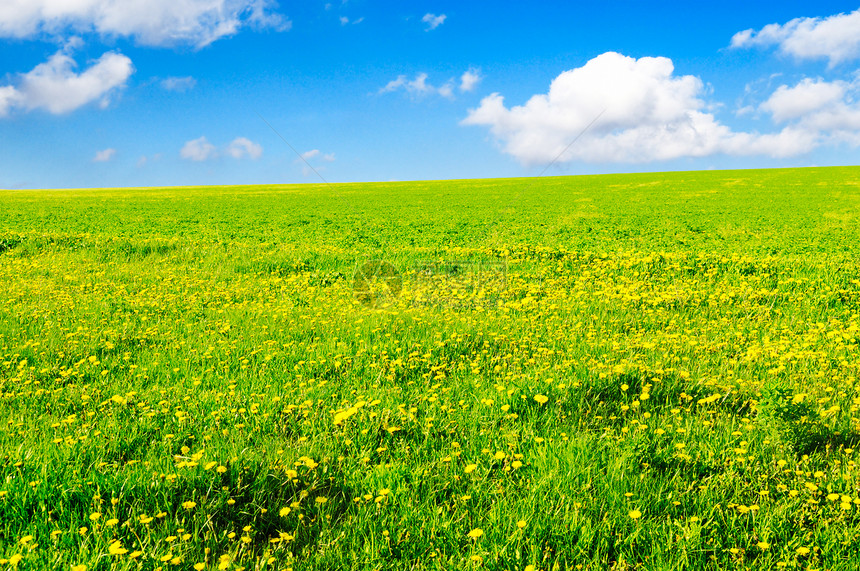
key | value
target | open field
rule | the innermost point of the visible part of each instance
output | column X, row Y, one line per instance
column 652, row 371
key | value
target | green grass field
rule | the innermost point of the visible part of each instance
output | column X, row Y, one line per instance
column 650, row 371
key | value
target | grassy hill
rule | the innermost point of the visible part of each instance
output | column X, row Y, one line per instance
column 652, row 371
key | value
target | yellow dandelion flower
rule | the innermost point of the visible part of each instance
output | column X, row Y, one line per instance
column 802, row 550
column 476, row 533
column 635, row 514
column 189, row 505
column 470, row 468
column 95, row 516
column 541, row 399
column 762, row 545
column 521, row 524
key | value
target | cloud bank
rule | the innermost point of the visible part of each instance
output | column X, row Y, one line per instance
column 835, row 38
column 647, row 113
column 150, row 22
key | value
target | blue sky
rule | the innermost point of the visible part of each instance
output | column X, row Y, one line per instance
column 97, row 93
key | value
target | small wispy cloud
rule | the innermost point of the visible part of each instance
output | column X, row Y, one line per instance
column 202, row 150
column 344, row 21
column 419, row 87
column 180, row 84
column 433, row 21
column 314, row 153
column 143, row 160
column 314, row 156
column 241, row 147
column 469, row 80
column 198, row 150
column 104, row 155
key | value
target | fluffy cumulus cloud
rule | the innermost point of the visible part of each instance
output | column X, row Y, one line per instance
column 56, row 86
column 644, row 113
column 202, row 150
column 835, row 38
column 433, row 21
column 104, row 155
column 150, row 22
column 827, row 110
column 242, row 147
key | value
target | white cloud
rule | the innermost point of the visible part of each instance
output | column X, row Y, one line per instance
column 469, row 80
column 143, row 160
column 314, row 153
column 9, row 96
column 433, row 21
column 198, row 150
column 825, row 110
column 787, row 103
column 180, row 84
column 648, row 114
column 202, row 150
column 55, row 87
column 104, row 156
column 344, row 20
column 419, row 87
column 241, row 147
column 836, row 38
column 151, row 22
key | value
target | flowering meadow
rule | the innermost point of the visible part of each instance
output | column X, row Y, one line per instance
column 647, row 371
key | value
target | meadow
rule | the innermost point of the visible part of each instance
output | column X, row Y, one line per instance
column 642, row 371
